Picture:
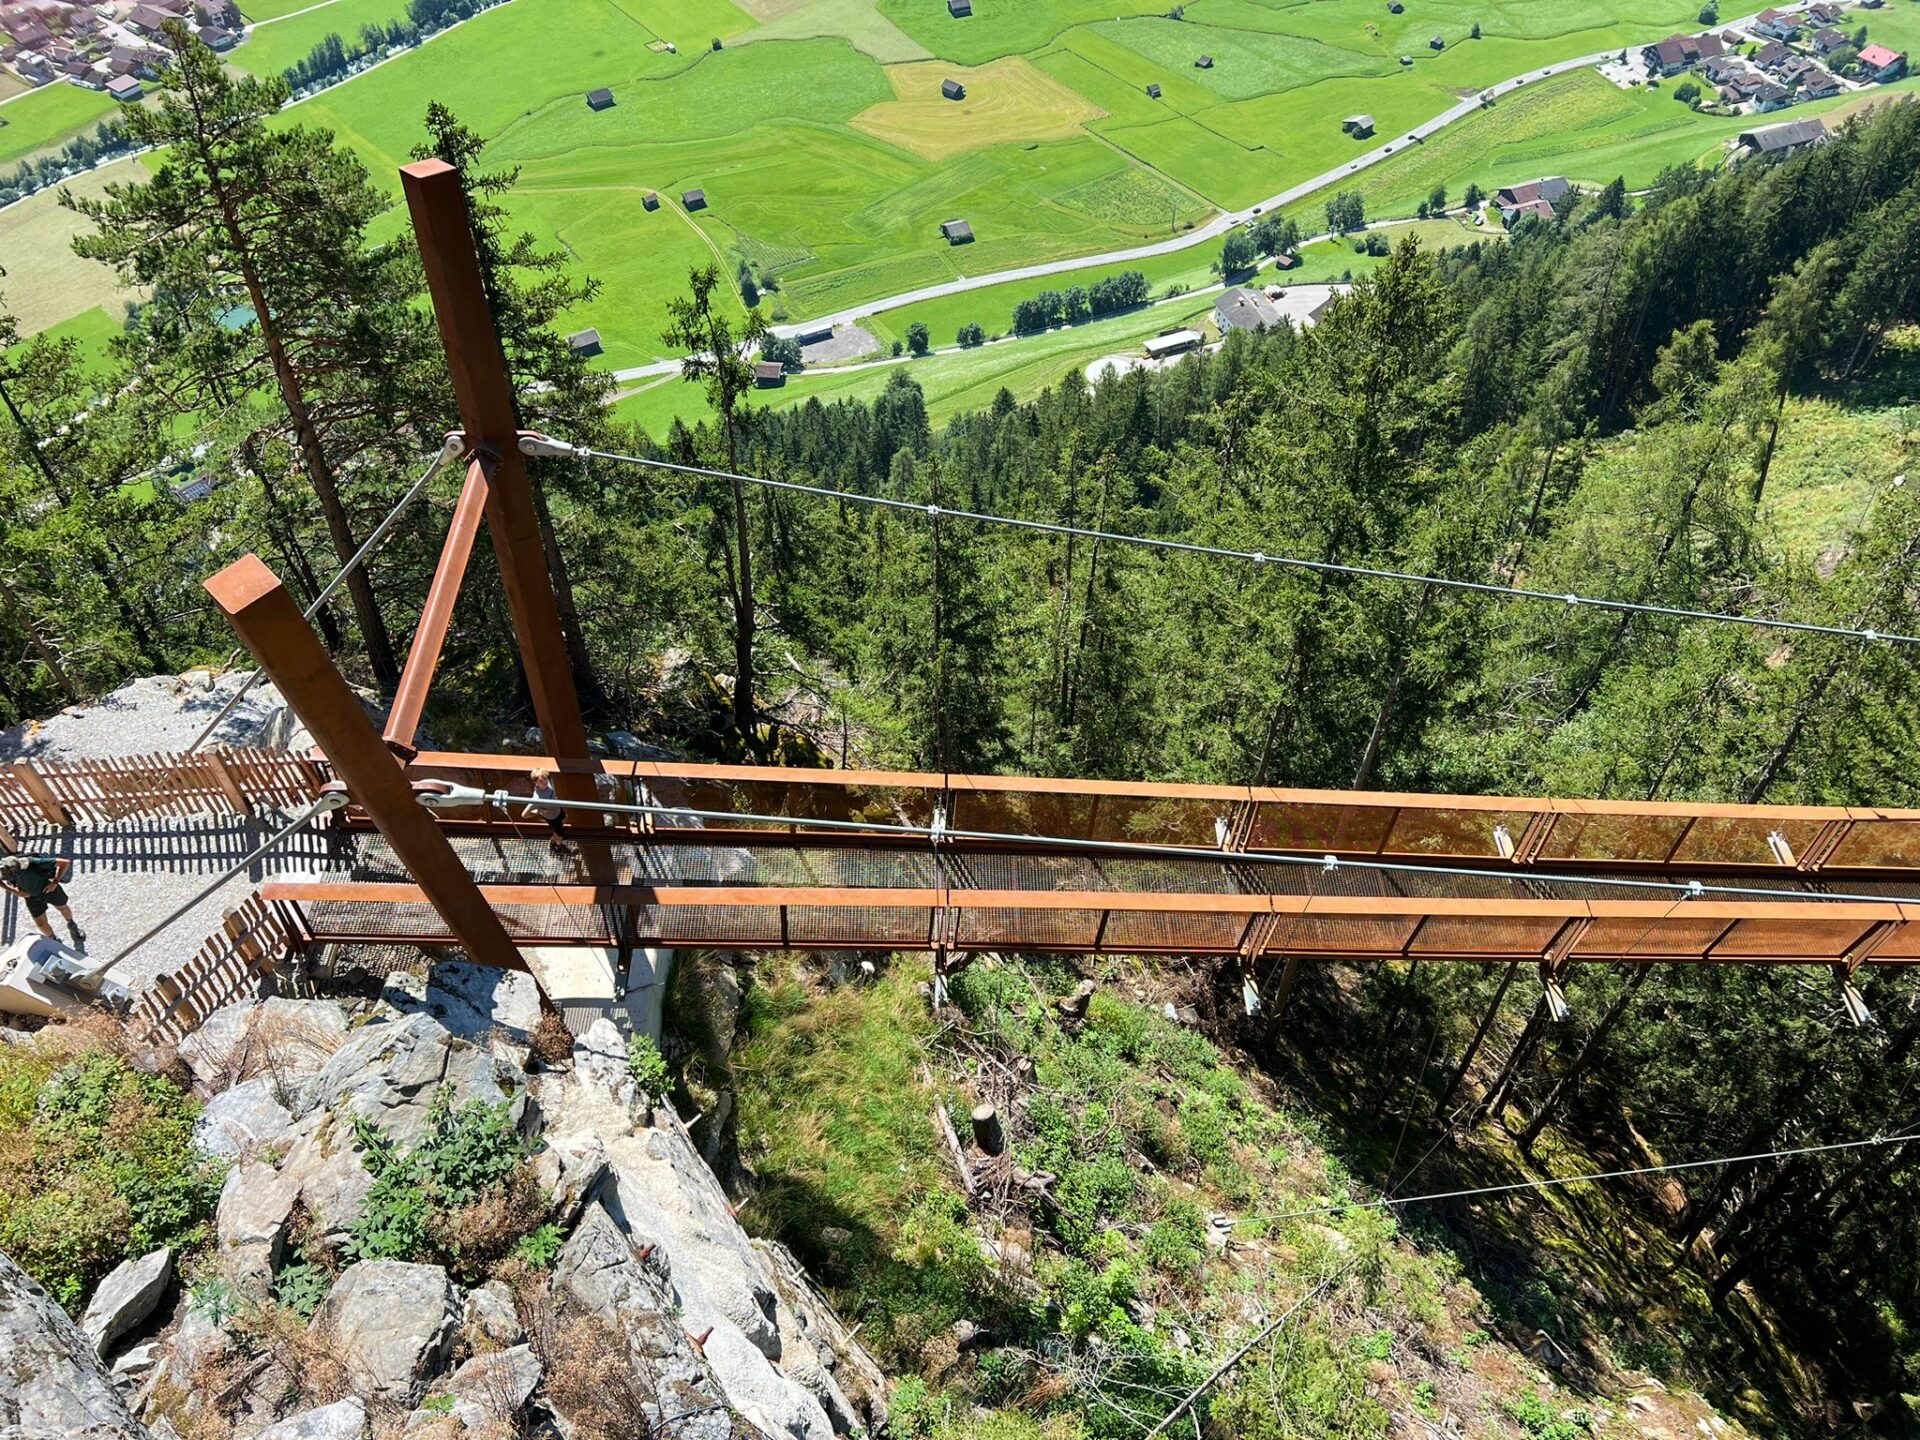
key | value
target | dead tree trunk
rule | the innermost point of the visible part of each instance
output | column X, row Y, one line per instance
column 1585, row 1058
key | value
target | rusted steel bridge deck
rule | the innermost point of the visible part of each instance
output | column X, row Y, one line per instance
column 735, row 857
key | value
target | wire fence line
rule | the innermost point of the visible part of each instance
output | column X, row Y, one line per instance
column 545, row 445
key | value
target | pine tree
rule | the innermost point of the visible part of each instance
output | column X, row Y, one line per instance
column 254, row 240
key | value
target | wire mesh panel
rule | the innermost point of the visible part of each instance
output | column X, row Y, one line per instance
column 1614, row 837
column 1342, row 934
column 755, row 926
column 1485, row 935
column 998, row 928
column 1471, row 833
column 1795, row 940
column 1718, row 840
column 1318, row 827
column 891, row 926
column 1176, row 932
column 1878, row 844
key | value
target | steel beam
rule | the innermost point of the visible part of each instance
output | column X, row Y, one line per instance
column 269, row 623
column 430, row 636
column 484, row 390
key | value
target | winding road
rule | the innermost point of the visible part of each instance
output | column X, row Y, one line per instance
column 1200, row 235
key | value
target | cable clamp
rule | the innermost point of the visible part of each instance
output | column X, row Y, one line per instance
column 533, row 443
column 1695, row 890
column 1329, row 864
column 934, row 511
column 452, row 446
column 938, row 830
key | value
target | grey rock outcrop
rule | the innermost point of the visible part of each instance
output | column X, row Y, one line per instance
column 126, row 1297
column 492, row 1388
column 389, row 1072
column 325, row 1169
column 476, row 1003
column 393, row 1323
column 570, row 1170
column 279, row 1039
column 342, row 1420
column 51, row 1384
column 600, row 1270
column 256, row 1205
column 488, row 1320
column 238, row 1122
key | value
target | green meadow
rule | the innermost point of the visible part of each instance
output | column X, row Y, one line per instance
column 51, row 115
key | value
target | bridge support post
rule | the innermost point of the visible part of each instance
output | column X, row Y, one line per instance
column 478, row 367
column 269, row 623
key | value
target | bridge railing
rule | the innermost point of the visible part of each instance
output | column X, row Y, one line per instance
column 1493, row 830
column 104, row 791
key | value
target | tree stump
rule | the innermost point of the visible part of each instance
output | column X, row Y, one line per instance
column 987, row 1132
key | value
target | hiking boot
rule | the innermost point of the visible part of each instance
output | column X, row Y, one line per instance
column 79, row 935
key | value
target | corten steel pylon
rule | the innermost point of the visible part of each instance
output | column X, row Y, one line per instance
column 269, row 622
column 484, row 389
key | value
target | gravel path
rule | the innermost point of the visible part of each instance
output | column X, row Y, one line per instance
column 128, row 876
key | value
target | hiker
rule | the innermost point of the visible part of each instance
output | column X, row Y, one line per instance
column 37, row 879
column 555, row 817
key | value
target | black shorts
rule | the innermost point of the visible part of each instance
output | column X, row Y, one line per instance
column 556, row 823
column 52, row 895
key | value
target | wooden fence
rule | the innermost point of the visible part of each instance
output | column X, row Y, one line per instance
column 229, row 966
column 100, row 792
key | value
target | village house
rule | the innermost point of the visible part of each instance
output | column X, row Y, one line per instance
column 1823, row 13
column 1679, row 52
column 1244, row 309
column 1771, row 96
column 694, row 199
column 1535, row 197
column 958, row 232
column 584, row 342
column 125, row 88
column 1819, row 85
column 1880, row 64
column 1782, row 139
column 1772, row 56
column 1174, row 342
column 769, row 373
column 1778, row 24
column 1825, row 42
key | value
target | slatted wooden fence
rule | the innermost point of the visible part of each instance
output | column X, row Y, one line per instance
column 229, row 966
column 100, row 792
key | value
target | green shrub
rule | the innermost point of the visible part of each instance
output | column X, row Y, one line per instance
column 647, row 1068
column 97, row 1164
column 1176, row 1242
column 462, row 1197
column 1539, row 1421
column 541, row 1247
column 301, row 1286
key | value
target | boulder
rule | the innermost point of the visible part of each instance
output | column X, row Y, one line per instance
column 600, row 1060
column 126, row 1297
column 331, row 1179
column 236, row 1123
column 393, row 1323
column 279, row 1039
column 661, row 1193
column 489, row 1320
column 51, row 1383
column 570, row 1169
column 250, row 1223
column 388, row 1072
column 478, row 1003
column 493, row 1388
column 342, row 1420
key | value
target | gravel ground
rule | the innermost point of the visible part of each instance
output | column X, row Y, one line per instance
column 849, row 342
column 156, row 712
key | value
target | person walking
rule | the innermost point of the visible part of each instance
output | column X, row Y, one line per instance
column 38, row 880
column 555, row 817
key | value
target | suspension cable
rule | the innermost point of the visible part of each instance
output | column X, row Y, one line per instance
column 1551, row 1181
column 448, row 795
column 455, row 444
column 546, row 446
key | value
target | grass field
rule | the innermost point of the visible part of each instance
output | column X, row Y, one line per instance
column 858, row 22
column 46, row 283
column 1006, row 102
column 49, row 116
